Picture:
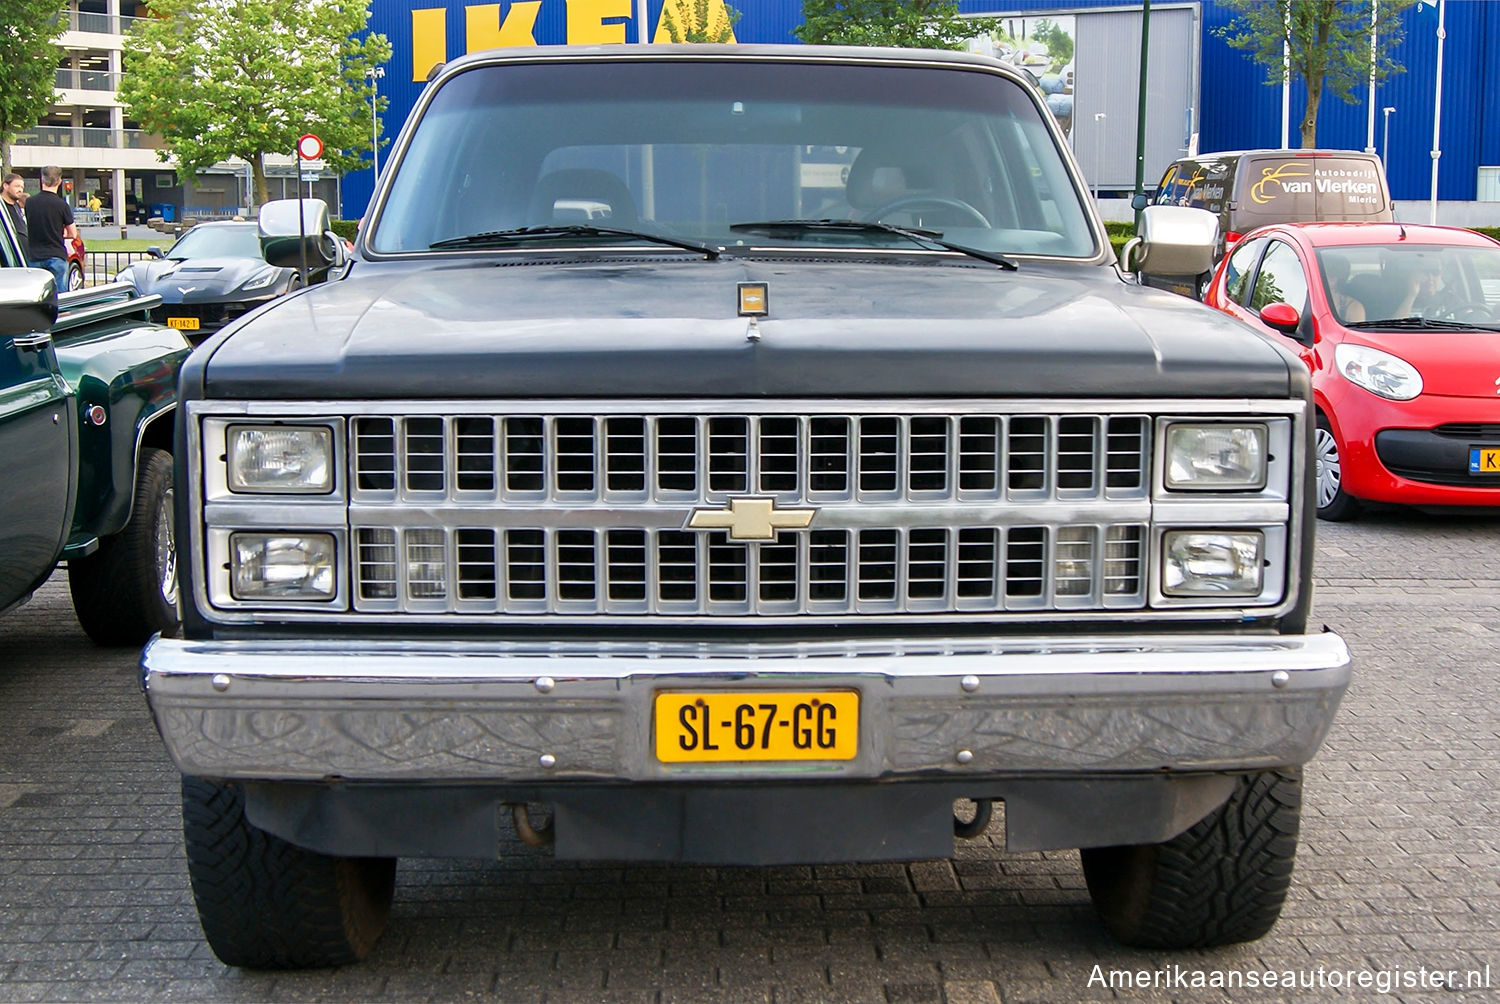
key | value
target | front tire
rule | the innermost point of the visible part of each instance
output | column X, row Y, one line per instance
column 265, row 903
column 126, row 591
column 1334, row 503
column 1221, row 882
column 75, row 276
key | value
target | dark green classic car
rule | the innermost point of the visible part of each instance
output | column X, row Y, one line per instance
column 88, row 386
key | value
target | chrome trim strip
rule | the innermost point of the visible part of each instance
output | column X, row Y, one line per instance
column 495, row 711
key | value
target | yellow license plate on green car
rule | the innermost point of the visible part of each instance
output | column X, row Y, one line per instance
column 183, row 323
column 699, row 727
column 1484, row 460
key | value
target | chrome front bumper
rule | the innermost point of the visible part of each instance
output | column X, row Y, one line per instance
column 446, row 711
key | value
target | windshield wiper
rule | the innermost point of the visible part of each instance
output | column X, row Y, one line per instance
column 1406, row 323
column 522, row 235
column 917, row 235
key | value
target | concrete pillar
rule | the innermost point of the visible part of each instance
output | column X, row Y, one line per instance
column 118, row 188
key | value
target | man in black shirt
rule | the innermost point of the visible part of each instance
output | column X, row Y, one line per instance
column 12, row 191
column 49, row 221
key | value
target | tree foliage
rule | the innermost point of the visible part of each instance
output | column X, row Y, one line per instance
column 912, row 24
column 244, row 78
column 1327, row 42
column 29, row 55
column 1058, row 42
column 697, row 21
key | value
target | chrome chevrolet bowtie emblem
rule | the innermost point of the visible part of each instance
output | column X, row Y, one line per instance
column 750, row 519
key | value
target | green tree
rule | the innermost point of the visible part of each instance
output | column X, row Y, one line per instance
column 1327, row 43
column 698, row 21
column 1058, row 42
column 29, row 55
column 244, row 78
column 912, row 24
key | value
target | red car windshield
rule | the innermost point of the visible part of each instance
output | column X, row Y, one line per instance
column 1370, row 283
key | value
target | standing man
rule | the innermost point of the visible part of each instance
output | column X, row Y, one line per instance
column 12, row 192
column 50, row 221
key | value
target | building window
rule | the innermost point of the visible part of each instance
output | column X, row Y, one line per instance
column 1489, row 184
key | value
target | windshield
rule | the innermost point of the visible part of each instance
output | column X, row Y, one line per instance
column 691, row 148
column 217, row 242
column 1374, row 282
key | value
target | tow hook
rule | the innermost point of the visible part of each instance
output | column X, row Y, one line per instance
column 984, row 808
column 520, row 817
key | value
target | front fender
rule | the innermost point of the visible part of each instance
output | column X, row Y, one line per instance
column 125, row 374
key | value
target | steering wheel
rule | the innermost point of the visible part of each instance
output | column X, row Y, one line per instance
column 1472, row 314
column 909, row 202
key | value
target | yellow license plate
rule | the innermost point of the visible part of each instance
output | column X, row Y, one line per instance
column 700, row 727
column 1484, row 460
column 183, row 323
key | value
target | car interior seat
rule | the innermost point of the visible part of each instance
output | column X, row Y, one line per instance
column 582, row 195
column 877, row 178
column 1373, row 293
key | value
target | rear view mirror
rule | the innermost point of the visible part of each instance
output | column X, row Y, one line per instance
column 1139, row 202
column 155, row 252
column 284, row 235
column 1177, row 241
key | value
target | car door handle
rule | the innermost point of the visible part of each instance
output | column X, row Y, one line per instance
column 39, row 341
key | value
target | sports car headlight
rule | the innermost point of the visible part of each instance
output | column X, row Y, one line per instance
column 281, row 566
column 261, row 279
column 280, row 458
column 1212, row 563
column 1215, row 457
column 1380, row 373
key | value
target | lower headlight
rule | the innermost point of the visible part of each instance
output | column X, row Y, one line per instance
column 282, row 566
column 1212, row 563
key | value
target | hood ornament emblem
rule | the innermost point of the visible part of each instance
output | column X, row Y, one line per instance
column 750, row 519
column 754, row 303
column 185, row 290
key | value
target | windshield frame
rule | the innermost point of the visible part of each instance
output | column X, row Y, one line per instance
column 818, row 55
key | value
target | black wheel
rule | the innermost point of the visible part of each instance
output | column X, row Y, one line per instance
column 75, row 275
column 267, row 904
column 957, row 208
column 1334, row 504
column 126, row 591
column 1221, row 882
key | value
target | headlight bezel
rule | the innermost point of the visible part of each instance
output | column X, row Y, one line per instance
column 1260, row 472
column 329, row 568
column 266, row 277
column 238, row 485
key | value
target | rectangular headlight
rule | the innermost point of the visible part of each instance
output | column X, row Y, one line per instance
column 1215, row 457
column 282, row 566
column 280, row 458
column 1212, row 563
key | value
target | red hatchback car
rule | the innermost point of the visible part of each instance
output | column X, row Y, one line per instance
column 1400, row 326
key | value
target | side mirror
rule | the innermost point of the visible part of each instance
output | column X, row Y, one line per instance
column 1281, row 316
column 28, row 302
column 283, row 235
column 1139, row 201
column 156, row 252
column 1177, row 240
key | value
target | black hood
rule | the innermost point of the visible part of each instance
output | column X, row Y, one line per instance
column 205, row 280
column 669, row 328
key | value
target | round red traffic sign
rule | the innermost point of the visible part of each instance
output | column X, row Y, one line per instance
column 309, row 147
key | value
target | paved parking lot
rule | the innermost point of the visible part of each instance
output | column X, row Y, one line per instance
column 1398, row 876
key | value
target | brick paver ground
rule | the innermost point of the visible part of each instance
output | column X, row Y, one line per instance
column 1399, row 866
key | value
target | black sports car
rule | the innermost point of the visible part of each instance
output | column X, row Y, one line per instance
column 213, row 274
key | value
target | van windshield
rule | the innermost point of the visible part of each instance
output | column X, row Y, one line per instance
column 691, row 147
column 1281, row 189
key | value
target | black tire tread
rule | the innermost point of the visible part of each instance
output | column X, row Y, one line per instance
column 265, row 903
column 115, row 589
column 1221, row 882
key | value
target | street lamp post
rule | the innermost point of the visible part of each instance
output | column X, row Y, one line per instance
column 1385, row 143
column 1099, row 117
column 374, row 73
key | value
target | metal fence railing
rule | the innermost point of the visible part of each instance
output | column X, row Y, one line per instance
column 101, row 266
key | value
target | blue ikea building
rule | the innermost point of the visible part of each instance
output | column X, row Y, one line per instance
column 1201, row 92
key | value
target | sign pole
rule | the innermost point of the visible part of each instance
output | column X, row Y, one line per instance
column 309, row 147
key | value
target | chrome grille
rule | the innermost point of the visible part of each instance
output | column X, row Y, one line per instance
column 586, row 514
column 641, row 571
column 817, row 458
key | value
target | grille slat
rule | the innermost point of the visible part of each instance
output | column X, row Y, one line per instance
column 521, row 487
